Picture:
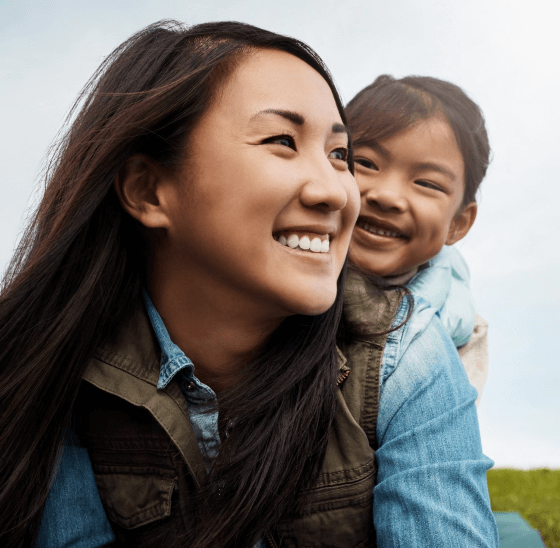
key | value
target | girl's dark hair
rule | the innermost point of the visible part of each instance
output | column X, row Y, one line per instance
column 389, row 105
column 78, row 272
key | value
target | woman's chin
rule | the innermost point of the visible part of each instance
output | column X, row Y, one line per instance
column 312, row 301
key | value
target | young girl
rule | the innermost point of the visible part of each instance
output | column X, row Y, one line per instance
column 170, row 374
column 421, row 152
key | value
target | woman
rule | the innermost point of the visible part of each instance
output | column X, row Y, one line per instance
column 190, row 250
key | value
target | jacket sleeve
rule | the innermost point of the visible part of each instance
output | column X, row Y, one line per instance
column 73, row 514
column 431, row 486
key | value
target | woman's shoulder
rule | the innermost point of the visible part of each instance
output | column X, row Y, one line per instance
column 369, row 310
column 411, row 321
column 417, row 349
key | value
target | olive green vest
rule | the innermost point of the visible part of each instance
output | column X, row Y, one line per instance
column 146, row 457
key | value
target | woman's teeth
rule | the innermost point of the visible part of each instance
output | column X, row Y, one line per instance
column 379, row 231
column 314, row 244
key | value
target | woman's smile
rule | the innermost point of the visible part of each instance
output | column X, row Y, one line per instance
column 313, row 241
column 279, row 175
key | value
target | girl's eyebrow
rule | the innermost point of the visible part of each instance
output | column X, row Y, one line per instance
column 298, row 119
column 416, row 168
column 374, row 145
column 430, row 166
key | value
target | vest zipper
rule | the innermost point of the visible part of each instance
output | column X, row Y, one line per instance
column 342, row 377
column 270, row 540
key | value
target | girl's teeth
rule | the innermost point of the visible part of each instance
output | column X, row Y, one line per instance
column 316, row 245
column 375, row 230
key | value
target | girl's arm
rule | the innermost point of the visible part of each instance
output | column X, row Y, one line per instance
column 73, row 514
column 431, row 486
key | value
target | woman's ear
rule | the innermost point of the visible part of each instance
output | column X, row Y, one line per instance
column 138, row 185
column 461, row 223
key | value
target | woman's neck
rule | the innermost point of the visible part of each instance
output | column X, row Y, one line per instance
column 218, row 333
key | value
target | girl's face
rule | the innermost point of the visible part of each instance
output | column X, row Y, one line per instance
column 411, row 187
column 266, row 171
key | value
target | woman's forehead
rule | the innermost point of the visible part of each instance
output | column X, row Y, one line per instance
column 276, row 80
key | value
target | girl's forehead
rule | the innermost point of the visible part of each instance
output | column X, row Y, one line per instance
column 431, row 136
column 435, row 125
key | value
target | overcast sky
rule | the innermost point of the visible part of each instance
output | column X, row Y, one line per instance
column 504, row 54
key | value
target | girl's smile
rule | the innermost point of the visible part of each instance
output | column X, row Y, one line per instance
column 383, row 229
column 411, row 187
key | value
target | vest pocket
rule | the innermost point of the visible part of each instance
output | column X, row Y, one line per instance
column 337, row 512
column 135, row 495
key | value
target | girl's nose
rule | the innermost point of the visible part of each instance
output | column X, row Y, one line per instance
column 386, row 195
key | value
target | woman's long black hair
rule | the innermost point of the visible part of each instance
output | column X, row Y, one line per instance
column 79, row 269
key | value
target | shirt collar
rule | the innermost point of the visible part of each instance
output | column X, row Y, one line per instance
column 173, row 359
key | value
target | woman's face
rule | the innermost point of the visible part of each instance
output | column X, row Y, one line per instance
column 265, row 205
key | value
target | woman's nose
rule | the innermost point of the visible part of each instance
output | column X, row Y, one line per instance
column 325, row 187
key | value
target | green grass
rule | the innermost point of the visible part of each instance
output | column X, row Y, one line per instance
column 535, row 494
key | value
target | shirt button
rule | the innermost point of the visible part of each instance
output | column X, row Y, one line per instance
column 190, row 386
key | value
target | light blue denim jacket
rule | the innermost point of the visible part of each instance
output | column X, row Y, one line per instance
column 431, row 485
column 444, row 282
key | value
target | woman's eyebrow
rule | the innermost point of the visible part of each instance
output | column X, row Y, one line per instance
column 298, row 119
column 340, row 128
column 293, row 117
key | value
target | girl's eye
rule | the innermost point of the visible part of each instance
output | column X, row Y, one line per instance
column 427, row 184
column 368, row 164
column 284, row 140
column 339, row 154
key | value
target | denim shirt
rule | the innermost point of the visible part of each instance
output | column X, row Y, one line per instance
column 431, row 485
column 199, row 397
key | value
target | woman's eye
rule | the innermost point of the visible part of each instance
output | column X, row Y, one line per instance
column 368, row 164
column 427, row 184
column 339, row 154
column 284, row 140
